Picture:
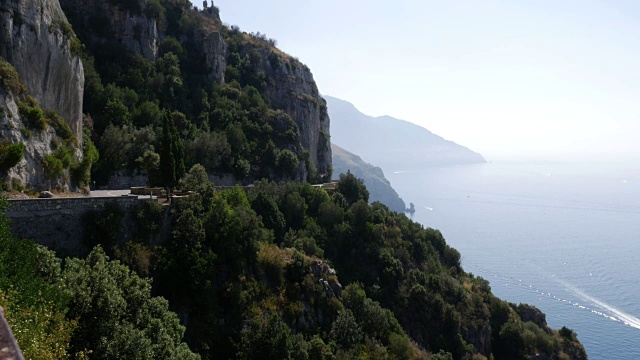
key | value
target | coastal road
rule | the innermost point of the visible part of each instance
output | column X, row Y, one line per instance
column 107, row 193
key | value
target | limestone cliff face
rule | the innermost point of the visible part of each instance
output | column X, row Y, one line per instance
column 292, row 89
column 36, row 39
column 295, row 92
column 215, row 52
column 30, row 169
column 130, row 26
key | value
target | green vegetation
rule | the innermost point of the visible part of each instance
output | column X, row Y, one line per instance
column 89, row 308
column 403, row 290
column 10, row 79
column 228, row 129
column 172, row 155
column 10, row 154
column 280, row 270
column 32, row 114
column 252, row 275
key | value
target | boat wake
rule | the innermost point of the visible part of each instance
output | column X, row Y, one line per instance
column 615, row 314
column 591, row 304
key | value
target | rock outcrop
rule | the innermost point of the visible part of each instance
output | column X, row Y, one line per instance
column 215, row 52
column 294, row 91
column 37, row 144
column 37, row 40
column 129, row 25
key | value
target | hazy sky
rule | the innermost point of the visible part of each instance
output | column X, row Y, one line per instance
column 505, row 78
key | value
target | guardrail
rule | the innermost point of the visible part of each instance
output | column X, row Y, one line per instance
column 9, row 349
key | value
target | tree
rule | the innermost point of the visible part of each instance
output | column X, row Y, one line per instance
column 352, row 188
column 35, row 307
column 52, row 168
column 345, row 331
column 266, row 338
column 116, row 314
column 150, row 162
column 195, row 179
column 287, row 163
column 172, row 154
column 10, row 154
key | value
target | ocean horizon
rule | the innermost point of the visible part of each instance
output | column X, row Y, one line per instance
column 560, row 236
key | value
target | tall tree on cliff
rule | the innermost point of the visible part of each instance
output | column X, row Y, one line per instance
column 172, row 154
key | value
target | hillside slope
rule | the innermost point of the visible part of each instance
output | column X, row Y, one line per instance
column 391, row 143
column 379, row 187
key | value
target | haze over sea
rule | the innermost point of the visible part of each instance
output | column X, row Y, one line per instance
column 564, row 237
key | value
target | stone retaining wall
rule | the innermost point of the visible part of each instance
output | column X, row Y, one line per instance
column 58, row 223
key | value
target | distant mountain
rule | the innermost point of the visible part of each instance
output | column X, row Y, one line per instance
column 379, row 187
column 391, row 143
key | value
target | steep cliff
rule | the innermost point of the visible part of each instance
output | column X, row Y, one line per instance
column 37, row 144
column 36, row 38
column 290, row 87
column 186, row 61
column 29, row 135
column 129, row 22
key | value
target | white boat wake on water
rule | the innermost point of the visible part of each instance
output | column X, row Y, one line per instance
column 618, row 315
column 601, row 308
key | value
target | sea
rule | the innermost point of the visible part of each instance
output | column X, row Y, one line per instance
column 564, row 237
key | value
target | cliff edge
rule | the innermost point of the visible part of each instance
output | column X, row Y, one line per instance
column 37, row 39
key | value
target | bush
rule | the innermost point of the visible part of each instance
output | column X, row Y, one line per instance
column 33, row 115
column 60, row 126
column 65, row 155
column 10, row 79
column 567, row 334
column 16, row 184
column 10, row 154
column 52, row 167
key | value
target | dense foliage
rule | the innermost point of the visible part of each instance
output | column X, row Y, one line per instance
column 279, row 270
column 82, row 308
column 287, row 271
column 229, row 128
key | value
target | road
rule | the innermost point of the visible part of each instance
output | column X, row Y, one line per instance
column 106, row 193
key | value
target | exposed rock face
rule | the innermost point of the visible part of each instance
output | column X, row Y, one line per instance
column 291, row 87
column 294, row 91
column 215, row 51
column 131, row 27
column 479, row 337
column 29, row 170
column 531, row 313
column 33, row 41
column 136, row 32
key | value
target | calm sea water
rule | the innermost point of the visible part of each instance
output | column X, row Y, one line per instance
column 562, row 237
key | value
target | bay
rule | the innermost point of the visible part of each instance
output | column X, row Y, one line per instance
column 564, row 237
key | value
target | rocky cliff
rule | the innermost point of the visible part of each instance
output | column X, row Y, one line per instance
column 128, row 23
column 29, row 171
column 37, row 40
column 292, row 89
column 142, row 28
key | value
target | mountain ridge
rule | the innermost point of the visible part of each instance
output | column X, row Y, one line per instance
column 407, row 146
column 378, row 185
